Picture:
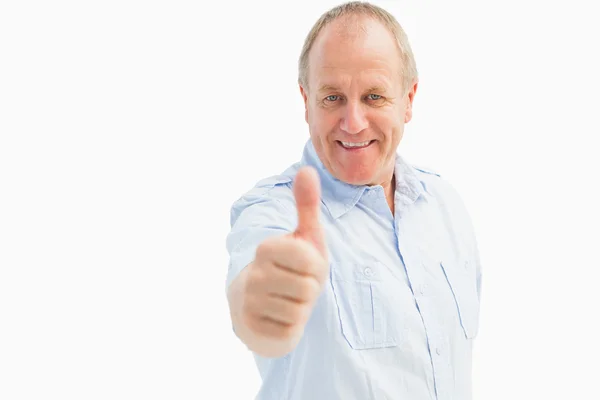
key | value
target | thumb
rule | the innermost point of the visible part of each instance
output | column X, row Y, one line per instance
column 307, row 192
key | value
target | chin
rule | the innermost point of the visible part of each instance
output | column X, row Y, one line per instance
column 357, row 178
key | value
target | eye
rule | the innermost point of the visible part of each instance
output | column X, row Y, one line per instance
column 332, row 97
column 374, row 97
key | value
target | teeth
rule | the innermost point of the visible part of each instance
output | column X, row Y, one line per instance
column 363, row 144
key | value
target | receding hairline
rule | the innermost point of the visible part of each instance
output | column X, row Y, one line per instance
column 352, row 17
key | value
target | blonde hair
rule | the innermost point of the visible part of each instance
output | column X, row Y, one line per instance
column 361, row 8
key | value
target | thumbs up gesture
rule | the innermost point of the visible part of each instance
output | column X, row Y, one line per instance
column 288, row 272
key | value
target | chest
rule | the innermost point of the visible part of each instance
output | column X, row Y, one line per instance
column 396, row 277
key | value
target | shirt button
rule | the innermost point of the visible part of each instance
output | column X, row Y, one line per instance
column 438, row 351
column 368, row 271
column 467, row 264
column 422, row 289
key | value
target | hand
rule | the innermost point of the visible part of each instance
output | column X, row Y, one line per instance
column 288, row 273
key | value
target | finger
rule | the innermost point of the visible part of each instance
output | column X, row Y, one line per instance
column 307, row 192
column 291, row 286
column 271, row 329
column 284, row 311
column 292, row 254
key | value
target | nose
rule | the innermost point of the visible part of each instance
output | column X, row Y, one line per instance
column 354, row 119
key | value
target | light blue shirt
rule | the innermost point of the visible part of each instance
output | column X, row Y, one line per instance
column 400, row 310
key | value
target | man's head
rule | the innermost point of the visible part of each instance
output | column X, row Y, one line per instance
column 358, row 78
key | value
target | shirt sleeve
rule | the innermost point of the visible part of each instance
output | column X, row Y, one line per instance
column 258, row 215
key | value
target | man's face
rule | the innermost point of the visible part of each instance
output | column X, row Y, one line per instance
column 355, row 97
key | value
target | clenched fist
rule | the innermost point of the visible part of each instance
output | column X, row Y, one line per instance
column 279, row 289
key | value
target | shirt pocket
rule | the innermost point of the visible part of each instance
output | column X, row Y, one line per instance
column 363, row 306
column 464, row 289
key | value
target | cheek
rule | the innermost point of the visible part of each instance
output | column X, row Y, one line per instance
column 322, row 123
column 383, row 125
column 392, row 125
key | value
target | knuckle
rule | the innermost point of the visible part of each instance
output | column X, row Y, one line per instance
column 312, row 258
column 285, row 331
column 294, row 314
column 308, row 289
column 249, row 307
column 264, row 249
column 301, row 314
column 251, row 321
column 254, row 280
column 315, row 269
column 271, row 330
column 323, row 268
column 269, row 246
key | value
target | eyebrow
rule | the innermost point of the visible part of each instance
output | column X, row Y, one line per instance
column 376, row 89
column 331, row 88
column 328, row 88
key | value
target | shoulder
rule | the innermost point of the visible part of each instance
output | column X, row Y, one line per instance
column 271, row 195
column 425, row 170
column 439, row 186
column 435, row 184
column 447, row 196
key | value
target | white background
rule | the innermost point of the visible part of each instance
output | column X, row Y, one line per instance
column 128, row 128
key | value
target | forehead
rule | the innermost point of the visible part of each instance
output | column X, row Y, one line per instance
column 369, row 80
column 358, row 49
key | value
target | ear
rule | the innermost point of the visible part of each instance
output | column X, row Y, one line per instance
column 305, row 98
column 411, row 95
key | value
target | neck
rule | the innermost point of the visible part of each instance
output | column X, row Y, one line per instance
column 390, row 189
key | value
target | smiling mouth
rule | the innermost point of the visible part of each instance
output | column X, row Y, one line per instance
column 355, row 145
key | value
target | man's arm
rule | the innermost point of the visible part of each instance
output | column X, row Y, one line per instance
column 271, row 298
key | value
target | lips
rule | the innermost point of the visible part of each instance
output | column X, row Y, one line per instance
column 355, row 145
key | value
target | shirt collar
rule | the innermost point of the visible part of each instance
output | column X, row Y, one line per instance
column 340, row 197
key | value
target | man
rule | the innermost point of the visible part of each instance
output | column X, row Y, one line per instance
column 353, row 274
